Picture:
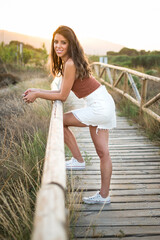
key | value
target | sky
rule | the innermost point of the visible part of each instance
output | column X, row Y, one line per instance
column 132, row 23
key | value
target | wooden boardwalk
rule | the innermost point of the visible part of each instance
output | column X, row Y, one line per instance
column 134, row 212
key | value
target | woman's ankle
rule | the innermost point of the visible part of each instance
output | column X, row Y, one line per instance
column 79, row 159
column 104, row 194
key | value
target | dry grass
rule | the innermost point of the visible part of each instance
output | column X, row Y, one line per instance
column 72, row 197
column 23, row 134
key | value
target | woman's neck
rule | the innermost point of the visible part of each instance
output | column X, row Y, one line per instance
column 65, row 60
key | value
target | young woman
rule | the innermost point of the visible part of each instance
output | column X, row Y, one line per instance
column 69, row 61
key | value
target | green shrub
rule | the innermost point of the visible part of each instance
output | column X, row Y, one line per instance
column 93, row 58
column 152, row 72
column 10, row 54
column 137, row 82
column 124, row 61
column 128, row 109
column 128, row 52
column 148, row 61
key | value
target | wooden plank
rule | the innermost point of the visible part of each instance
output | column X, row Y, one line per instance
column 117, row 232
column 131, row 192
column 119, row 237
column 118, row 206
column 96, row 220
column 142, row 176
column 116, row 160
column 93, row 186
column 122, row 145
column 126, row 159
column 119, row 181
column 120, row 218
column 95, row 166
column 129, row 164
column 97, row 172
column 127, row 198
column 123, row 154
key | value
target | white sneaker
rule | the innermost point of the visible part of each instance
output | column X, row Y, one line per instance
column 73, row 164
column 97, row 198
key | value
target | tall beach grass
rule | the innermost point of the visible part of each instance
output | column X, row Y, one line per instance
column 23, row 134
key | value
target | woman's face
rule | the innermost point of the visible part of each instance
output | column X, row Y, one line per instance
column 61, row 45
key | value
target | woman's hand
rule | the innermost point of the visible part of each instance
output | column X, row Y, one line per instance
column 30, row 90
column 30, row 97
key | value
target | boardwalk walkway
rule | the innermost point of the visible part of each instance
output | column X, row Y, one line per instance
column 135, row 187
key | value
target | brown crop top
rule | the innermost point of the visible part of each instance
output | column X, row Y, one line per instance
column 84, row 87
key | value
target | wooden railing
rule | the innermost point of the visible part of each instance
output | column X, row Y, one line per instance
column 114, row 74
column 50, row 219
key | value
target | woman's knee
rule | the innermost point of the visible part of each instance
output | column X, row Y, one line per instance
column 103, row 153
column 68, row 119
column 65, row 120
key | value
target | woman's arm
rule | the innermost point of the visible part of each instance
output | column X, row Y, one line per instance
column 62, row 94
column 40, row 90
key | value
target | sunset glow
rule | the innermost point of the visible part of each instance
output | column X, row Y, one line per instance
column 133, row 23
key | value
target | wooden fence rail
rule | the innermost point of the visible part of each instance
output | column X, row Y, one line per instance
column 50, row 219
column 110, row 72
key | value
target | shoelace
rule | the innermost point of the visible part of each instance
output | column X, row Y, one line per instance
column 94, row 196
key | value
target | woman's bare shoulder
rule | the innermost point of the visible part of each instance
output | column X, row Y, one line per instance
column 70, row 62
column 69, row 69
column 70, row 66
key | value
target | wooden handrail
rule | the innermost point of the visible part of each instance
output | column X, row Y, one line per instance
column 133, row 72
column 140, row 99
column 50, row 219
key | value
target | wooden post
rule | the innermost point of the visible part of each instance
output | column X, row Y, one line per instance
column 99, row 70
column 125, row 83
column 105, row 75
column 21, row 52
column 119, row 79
column 143, row 94
column 101, row 74
column 152, row 100
column 114, row 76
column 109, row 76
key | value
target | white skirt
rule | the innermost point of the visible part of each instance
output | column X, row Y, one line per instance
column 99, row 110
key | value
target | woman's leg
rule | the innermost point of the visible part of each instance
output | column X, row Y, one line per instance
column 69, row 139
column 100, row 141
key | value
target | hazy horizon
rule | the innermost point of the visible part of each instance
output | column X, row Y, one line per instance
column 82, row 39
column 92, row 46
